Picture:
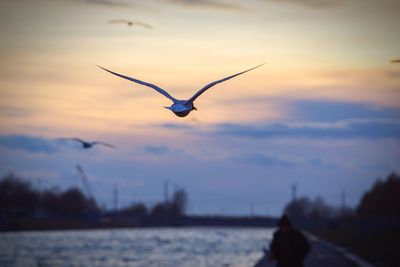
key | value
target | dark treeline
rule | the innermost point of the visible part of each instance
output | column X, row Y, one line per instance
column 166, row 213
column 379, row 206
column 383, row 200
column 316, row 213
column 23, row 206
column 371, row 229
column 18, row 199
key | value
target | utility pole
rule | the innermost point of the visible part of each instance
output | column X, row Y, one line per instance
column 115, row 197
column 251, row 209
column 134, row 198
column 343, row 200
column 166, row 185
column 294, row 192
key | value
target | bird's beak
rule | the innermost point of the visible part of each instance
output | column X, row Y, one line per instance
column 168, row 108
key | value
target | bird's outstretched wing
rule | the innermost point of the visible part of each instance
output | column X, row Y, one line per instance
column 202, row 90
column 118, row 21
column 71, row 138
column 155, row 87
column 139, row 23
column 102, row 143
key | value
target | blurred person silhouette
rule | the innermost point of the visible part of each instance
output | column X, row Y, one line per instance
column 289, row 247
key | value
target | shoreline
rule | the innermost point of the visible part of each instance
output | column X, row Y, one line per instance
column 187, row 221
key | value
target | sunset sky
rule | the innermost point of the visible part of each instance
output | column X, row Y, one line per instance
column 322, row 113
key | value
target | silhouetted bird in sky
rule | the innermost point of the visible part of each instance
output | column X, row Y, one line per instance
column 131, row 23
column 87, row 144
column 395, row 61
column 181, row 108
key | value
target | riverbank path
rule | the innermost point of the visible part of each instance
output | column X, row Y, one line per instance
column 320, row 255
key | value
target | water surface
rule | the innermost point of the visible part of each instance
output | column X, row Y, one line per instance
column 166, row 247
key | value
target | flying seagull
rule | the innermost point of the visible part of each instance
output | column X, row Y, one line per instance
column 181, row 108
column 131, row 23
column 86, row 144
column 395, row 61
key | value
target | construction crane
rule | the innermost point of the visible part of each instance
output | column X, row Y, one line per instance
column 85, row 181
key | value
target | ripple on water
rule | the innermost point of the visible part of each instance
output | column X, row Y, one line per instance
column 169, row 247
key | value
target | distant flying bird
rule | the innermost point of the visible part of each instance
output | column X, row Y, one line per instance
column 395, row 61
column 131, row 23
column 86, row 144
column 181, row 108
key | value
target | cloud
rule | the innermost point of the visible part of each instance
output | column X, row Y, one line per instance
column 311, row 3
column 323, row 119
column 263, row 160
column 372, row 129
column 330, row 111
column 28, row 143
column 174, row 126
column 162, row 150
column 157, row 150
column 14, row 112
column 321, row 163
column 214, row 4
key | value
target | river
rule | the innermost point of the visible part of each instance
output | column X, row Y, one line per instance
column 144, row 247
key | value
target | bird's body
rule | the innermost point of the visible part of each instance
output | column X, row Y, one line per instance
column 180, row 108
column 87, row 144
column 395, row 61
